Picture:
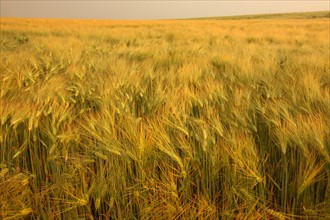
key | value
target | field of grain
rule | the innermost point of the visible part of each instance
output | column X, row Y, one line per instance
column 182, row 119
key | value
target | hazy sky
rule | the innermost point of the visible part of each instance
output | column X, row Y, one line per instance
column 148, row 9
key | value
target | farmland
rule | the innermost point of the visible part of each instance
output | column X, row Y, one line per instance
column 168, row 119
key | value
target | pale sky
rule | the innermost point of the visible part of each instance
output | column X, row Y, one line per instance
column 157, row 9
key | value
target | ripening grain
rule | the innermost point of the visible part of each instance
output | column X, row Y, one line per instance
column 190, row 119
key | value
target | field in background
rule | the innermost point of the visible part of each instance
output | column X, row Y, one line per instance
column 296, row 15
column 189, row 119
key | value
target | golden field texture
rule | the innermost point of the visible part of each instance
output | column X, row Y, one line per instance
column 182, row 119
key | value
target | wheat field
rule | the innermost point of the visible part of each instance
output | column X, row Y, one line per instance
column 175, row 119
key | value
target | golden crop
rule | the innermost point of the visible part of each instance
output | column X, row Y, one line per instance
column 182, row 119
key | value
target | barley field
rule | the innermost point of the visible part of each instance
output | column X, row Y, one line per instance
column 168, row 119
